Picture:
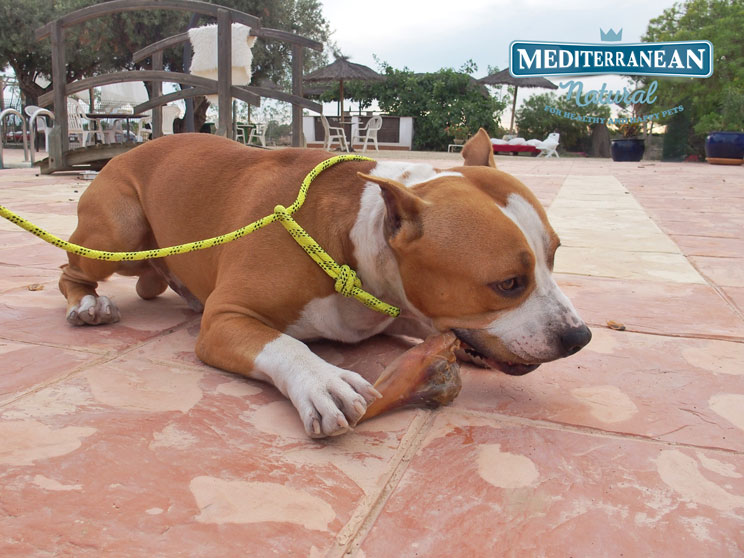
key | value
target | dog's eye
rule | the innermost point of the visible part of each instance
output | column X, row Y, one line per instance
column 509, row 287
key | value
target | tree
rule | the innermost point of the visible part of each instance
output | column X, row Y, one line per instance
column 721, row 22
column 19, row 49
column 439, row 102
column 107, row 43
column 533, row 121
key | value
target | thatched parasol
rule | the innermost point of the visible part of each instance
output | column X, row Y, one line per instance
column 342, row 70
column 505, row 78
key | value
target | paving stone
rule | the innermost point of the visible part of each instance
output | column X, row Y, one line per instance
column 118, row 441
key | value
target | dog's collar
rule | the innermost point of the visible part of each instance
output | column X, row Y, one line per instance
column 346, row 281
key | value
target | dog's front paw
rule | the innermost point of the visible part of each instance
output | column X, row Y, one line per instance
column 331, row 403
column 93, row 310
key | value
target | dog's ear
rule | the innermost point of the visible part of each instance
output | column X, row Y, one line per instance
column 402, row 209
column 479, row 151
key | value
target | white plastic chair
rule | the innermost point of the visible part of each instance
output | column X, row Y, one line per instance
column 143, row 132
column 549, row 146
column 368, row 132
column 76, row 121
column 115, row 133
column 37, row 121
column 240, row 132
column 332, row 134
column 258, row 132
column 170, row 113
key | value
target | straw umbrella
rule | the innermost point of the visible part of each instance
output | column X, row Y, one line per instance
column 505, row 78
column 342, row 70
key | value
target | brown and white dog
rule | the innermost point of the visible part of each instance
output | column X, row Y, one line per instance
column 468, row 249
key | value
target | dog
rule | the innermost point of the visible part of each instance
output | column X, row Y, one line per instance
column 468, row 250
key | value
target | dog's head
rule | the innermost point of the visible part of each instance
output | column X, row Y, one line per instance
column 475, row 252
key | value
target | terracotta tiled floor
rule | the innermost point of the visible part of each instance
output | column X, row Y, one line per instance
column 117, row 441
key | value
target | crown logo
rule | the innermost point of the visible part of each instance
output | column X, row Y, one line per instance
column 611, row 35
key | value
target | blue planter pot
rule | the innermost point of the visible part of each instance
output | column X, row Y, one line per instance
column 725, row 148
column 629, row 149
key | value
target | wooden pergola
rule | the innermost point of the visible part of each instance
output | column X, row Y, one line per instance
column 62, row 158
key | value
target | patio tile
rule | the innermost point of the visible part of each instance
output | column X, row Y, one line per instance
column 25, row 202
column 717, row 247
column 736, row 294
column 39, row 317
column 17, row 237
column 544, row 187
column 725, row 272
column 59, row 225
column 27, row 366
column 624, row 230
column 176, row 347
column 118, row 441
column 725, row 225
column 678, row 309
column 39, row 255
column 621, row 264
column 516, row 489
column 17, row 277
column 131, row 457
column 680, row 395
column 605, row 232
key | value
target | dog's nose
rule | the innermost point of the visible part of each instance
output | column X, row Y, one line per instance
column 574, row 339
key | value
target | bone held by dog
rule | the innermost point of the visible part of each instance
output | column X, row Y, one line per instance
column 425, row 375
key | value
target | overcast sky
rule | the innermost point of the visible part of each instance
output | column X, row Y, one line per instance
column 426, row 35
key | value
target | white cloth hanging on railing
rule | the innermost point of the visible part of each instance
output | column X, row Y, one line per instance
column 204, row 62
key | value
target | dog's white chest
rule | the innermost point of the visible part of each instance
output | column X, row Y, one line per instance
column 338, row 318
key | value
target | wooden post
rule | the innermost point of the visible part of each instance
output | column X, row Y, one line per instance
column 514, row 109
column 297, row 65
column 224, row 73
column 188, row 117
column 157, row 91
column 60, row 141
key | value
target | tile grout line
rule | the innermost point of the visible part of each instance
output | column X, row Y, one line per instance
column 718, row 290
column 103, row 359
column 590, row 431
column 36, row 388
column 352, row 535
column 651, row 217
column 614, row 188
column 721, row 337
column 76, row 349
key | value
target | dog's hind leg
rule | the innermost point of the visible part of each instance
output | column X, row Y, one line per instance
column 110, row 220
column 151, row 283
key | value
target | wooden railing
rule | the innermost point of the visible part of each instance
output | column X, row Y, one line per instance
column 223, row 87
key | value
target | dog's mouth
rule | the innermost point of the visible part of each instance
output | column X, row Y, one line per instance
column 469, row 353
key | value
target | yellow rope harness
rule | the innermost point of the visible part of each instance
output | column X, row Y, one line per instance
column 346, row 281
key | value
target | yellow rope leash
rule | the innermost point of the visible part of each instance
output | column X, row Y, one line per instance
column 346, row 281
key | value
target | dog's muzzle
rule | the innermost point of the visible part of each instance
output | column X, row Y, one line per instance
column 570, row 341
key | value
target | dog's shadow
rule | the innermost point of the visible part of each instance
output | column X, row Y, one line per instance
column 368, row 358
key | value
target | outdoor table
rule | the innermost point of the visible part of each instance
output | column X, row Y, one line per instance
column 96, row 117
column 246, row 128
